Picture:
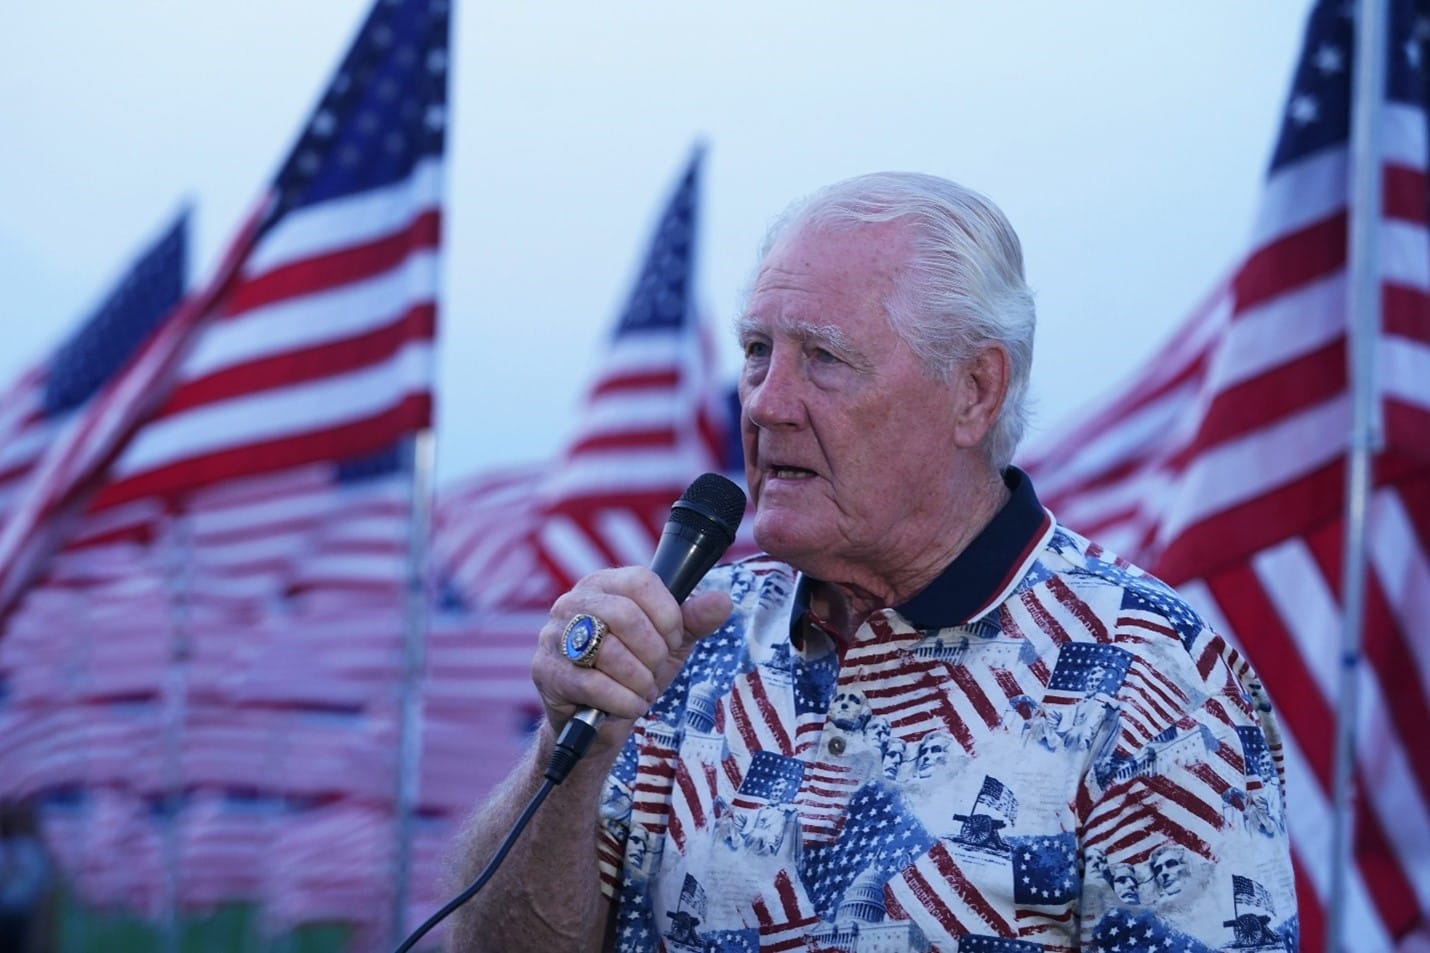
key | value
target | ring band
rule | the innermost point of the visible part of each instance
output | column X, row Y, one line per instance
column 583, row 639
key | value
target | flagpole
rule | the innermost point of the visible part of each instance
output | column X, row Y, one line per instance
column 1363, row 329
column 409, row 756
column 179, row 546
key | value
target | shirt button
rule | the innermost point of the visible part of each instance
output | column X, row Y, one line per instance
column 836, row 746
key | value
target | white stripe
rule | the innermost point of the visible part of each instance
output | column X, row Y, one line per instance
column 1405, row 254
column 1403, row 136
column 624, row 412
column 632, row 470
column 1135, row 435
column 1404, row 370
column 312, row 320
column 15, row 425
column 1403, row 569
column 1135, row 493
column 261, row 549
column 305, row 511
column 625, row 535
column 569, row 548
column 1258, row 463
column 646, row 352
column 1309, row 816
column 390, row 528
column 1296, row 587
column 352, row 220
column 376, row 567
column 280, row 413
column 1285, row 328
column 1301, row 194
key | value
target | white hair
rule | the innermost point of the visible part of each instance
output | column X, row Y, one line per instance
column 963, row 291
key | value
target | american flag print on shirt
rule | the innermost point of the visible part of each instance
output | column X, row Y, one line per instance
column 961, row 829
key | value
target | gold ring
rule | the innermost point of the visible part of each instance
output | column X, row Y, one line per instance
column 583, row 639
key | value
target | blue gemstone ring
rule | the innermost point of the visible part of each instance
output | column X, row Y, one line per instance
column 583, row 639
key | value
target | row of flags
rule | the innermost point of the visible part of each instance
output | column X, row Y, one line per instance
column 207, row 501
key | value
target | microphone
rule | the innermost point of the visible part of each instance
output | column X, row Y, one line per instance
column 701, row 527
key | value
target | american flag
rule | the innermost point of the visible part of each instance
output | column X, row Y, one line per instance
column 652, row 420
column 47, row 415
column 509, row 541
column 1222, row 466
column 223, row 626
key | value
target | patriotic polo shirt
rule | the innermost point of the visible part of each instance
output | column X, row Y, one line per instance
column 1046, row 749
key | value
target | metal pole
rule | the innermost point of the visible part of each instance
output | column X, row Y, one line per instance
column 178, row 573
column 1363, row 332
column 409, row 756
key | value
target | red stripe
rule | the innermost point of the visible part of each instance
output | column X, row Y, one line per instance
column 1269, row 398
column 342, row 442
column 318, row 361
column 974, row 695
column 335, row 269
column 658, row 438
column 768, row 713
column 1308, row 905
column 1043, row 619
column 1291, row 261
column 691, row 794
column 661, row 382
column 1405, row 312
column 1232, row 535
column 1403, row 192
column 1390, row 651
column 1283, row 669
column 929, row 898
column 1407, row 427
column 1078, row 608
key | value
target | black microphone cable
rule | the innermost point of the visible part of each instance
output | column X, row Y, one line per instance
column 701, row 527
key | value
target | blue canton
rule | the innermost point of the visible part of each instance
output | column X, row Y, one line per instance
column 385, row 109
column 1157, row 600
column 149, row 290
column 1090, row 667
column 1132, row 931
column 882, row 836
column 658, row 301
column 1045, row 869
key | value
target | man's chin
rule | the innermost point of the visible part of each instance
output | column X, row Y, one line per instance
column 784, row 538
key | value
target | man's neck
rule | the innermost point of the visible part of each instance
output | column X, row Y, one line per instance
column 844, row 606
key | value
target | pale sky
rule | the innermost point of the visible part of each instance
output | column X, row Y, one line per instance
column 1125, row 140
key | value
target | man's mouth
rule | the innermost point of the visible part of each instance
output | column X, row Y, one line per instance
column 782, row 472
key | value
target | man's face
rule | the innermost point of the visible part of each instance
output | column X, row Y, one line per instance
column 933, row 751
column 1168, row 865
column 849, row 443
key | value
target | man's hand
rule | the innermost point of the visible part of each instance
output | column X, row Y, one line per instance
column 649, row 635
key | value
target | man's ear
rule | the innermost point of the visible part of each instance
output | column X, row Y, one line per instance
column 981, row 385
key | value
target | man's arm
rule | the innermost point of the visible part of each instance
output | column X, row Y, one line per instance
column 546, row 895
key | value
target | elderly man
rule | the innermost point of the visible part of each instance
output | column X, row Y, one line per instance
column 887, row 341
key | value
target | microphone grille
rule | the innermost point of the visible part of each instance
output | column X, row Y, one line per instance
column 716, row 498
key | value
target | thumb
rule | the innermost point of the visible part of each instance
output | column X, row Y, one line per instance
column 702, row 614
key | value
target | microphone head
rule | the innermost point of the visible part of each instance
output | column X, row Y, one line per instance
column 711, row 499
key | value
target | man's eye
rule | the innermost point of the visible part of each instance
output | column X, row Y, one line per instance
column 825, row 357
column 755, row 349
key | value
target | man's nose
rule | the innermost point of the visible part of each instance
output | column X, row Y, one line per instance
column 776, row 399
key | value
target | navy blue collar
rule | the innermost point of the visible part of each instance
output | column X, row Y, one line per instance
column 981, row 576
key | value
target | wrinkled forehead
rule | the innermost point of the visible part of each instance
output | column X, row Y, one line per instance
column 815, row 270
